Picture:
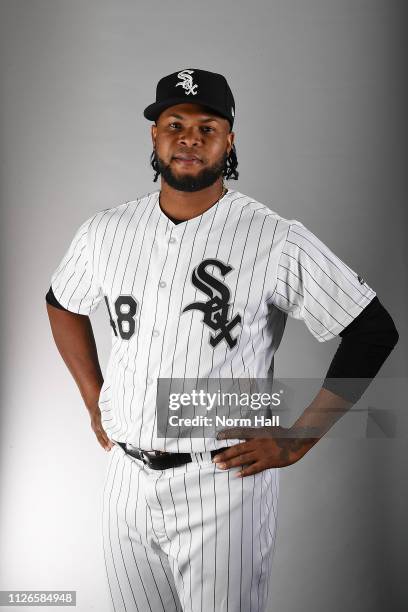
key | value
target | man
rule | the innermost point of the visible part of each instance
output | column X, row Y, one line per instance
column 198, row 280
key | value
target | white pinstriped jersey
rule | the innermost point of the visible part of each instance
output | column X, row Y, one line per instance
column 204, row 298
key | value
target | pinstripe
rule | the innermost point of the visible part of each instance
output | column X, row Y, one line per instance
column 141, row 309
column 261, row 302
column 153, row 582
column 312, row 278
column 113, row 238
column 138, row 327
column 166, row 320
column 216, row 537
column 76, row 287
column 108, row 475
column 275, row 277
column 120, row 406
column 94, row 253
column 228, row 215
column 262, row 507
column 179, row 320
column 236, row 284
column 164, row 522
column 195, row 297
column 238, row 274
column 110, row 537
column 216, row 254
column 274, row 501
column 282, row 280
column 60, row 269
column 125, row 267
column 131, row 542
column 122, row 347
column 323, row 307
column 191, row 314
column 334, row 262
column 317, row 319
column 191, row 539
column 75, row 268
column 229, row 537
column 247, row 299
column 72, row 275
column 242, row 543
column 179, row 535
column 118, row 538
column 252, row 539
column 165, row 573
column 202, row 541
column 317, row 266
column 112, row 215
column 137, row 343
column 233, row 302
column 131, row 217
column 307, row 310
column 147, row 558
column 268, row 507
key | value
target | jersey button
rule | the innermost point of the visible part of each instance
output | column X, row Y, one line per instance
column 172, row 240
column 156, row 333
column 162, row 284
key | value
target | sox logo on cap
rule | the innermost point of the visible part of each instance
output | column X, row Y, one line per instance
column 187, row 82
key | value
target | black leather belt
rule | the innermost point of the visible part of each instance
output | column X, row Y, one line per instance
column 162, row 460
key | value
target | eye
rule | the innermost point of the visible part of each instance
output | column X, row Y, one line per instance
column 205, row 128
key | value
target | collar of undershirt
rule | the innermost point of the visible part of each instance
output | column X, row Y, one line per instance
column 176, row 221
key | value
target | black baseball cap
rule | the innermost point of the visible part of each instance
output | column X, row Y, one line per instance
column 193, row 85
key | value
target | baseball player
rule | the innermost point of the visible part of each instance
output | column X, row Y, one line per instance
column 198, row 280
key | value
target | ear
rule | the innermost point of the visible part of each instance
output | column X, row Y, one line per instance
column 230, row 138
column 154, row 134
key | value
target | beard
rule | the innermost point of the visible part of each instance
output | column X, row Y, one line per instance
column 192, row 182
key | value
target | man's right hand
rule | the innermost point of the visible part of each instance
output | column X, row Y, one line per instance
column 100, row 433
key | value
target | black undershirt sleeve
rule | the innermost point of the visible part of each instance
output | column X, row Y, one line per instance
column 366, row 343
column 51, row 299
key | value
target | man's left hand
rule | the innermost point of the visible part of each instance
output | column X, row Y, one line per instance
column 266, row 447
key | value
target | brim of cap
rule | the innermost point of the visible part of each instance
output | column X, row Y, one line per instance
column 153, row 110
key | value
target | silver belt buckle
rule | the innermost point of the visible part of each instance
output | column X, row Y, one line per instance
column 145, row 457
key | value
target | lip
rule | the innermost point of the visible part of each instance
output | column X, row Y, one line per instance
column 187, row 158
column 189, row 162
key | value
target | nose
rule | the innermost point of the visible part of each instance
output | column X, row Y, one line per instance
column 190, row 136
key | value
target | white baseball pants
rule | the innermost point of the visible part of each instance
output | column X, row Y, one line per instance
column 192, row 538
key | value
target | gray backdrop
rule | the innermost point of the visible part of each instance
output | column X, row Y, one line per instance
column 320, row 137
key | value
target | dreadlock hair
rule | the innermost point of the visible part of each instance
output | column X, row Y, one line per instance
column 229, row 172
column 154, row 165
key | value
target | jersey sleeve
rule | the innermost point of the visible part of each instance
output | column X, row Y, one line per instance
column 316, row 286
column 74, row 282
